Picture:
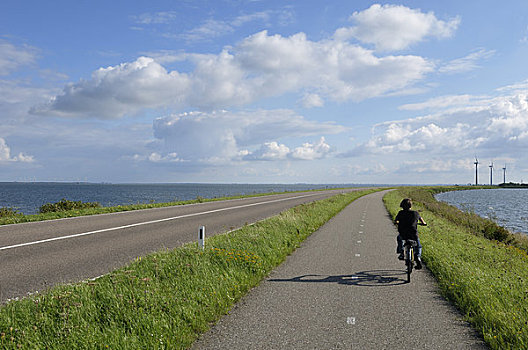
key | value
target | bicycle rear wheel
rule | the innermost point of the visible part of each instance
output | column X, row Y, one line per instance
column 410, row 262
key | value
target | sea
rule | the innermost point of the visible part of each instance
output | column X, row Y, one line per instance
column 508, row 206
column 28, row 197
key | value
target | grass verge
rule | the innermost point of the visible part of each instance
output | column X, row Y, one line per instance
column 164, row 300
column 12, row 216
column 487, row 279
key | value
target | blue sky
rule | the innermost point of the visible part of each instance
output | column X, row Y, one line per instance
column 255, row 91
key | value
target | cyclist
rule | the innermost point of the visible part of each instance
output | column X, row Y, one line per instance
column 407, row 221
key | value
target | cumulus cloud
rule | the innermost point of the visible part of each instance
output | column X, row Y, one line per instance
column 5, row 154
column 114, row 91
column 396, row 27
column 496, row 125
column 309, row 151
column 275, row 151
column 13, row 57
column 156, row 157
column 225, row 136
column 269, row 151
column 260, row 66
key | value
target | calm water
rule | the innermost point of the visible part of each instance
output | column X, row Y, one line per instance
column 508, row 207
column 28, row 197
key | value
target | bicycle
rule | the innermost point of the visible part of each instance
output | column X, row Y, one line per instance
column 408, row 248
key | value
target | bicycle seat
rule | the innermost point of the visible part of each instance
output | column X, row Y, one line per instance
column 410, row 242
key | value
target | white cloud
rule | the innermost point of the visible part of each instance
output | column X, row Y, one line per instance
column 309, row 151
column 13, row 57
column 260, row 66
column 114, row 91
column 510, row 116
column 396, row 27
column 162, row 17
column 312, row 100
column 440, row 103
column 490, row 125
column 263, row 16
column 224, row 136
column 275, row 151
column 467, row 63
column 213, row 28
column 269, row 151
column 402, row 137
column 169, row 158
column 5, row 154
column 523, row 85
column 208, row 30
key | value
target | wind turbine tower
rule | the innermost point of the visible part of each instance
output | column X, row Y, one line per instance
column 491, row 173
column 476, row 171
column 504, row 174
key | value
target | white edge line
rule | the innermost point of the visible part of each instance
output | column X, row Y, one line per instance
column 149, row 222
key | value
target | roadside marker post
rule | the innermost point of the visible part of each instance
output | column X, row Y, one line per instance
column 201, row 237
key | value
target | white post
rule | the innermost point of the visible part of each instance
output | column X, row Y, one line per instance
column 201, row 237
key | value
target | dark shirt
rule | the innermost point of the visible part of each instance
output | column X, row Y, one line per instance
column 408, row 224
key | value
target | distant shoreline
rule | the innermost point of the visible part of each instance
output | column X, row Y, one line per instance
column 513, row 185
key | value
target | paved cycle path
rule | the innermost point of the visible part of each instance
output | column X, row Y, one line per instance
column 344, row 288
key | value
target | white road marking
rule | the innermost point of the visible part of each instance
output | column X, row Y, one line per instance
column 150, row 222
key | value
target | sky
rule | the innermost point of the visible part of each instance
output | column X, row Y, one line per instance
column 264, row 91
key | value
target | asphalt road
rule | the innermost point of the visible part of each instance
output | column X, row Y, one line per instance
column 344, row 288
column 35, row 256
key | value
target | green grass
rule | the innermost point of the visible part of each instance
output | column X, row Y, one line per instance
column 487, row 279
column 12, row 216
column 167, row 299
column 66, row 205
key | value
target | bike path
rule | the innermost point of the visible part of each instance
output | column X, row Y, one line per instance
column 344, row 288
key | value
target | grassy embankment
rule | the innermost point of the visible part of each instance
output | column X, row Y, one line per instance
column 479, row 265
column 164, row 300
column 66, row 208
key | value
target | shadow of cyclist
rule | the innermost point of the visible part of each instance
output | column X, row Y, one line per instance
column 375, row 278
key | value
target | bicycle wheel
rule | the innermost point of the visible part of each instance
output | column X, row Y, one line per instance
column 410, row 263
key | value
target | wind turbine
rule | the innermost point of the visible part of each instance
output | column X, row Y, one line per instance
column 476, row 170
column 491, row 173
column 504, row 174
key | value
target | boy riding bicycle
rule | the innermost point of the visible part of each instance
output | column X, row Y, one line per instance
column 407, row 221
